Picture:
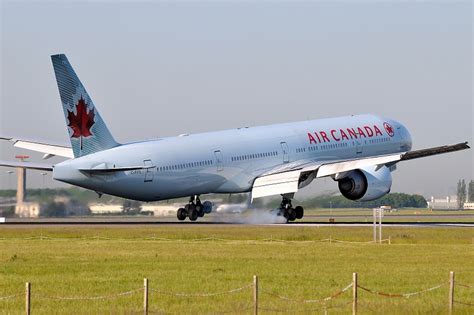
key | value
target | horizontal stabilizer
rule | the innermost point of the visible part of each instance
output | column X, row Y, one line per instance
column 28, row 165
column 48, row 149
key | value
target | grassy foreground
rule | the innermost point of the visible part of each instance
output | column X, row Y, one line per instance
column 290, row 261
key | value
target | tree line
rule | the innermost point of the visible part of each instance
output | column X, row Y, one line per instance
column 395, row 200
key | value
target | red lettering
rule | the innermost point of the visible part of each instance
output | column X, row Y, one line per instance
column 311, row 138
column 324, row 136
column 352, row 132
column 334, row 136
column 370, row 132
column 317, row 136
column 361, row 132
column 377, row 131
column 343, row 134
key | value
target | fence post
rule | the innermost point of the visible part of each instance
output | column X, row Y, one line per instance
column 255, row 295
column 375, row 225
column 27, row 298
column 145, row 296
column 354, row 293
column 451, row 292
column 380, row 225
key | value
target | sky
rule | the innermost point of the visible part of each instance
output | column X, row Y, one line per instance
column 159, row 69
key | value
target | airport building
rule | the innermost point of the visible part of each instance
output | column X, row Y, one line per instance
column 156, row 209
column 448, row 203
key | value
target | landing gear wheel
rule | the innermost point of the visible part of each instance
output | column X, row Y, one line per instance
column 193, row 215
column 291, row 214
column 181, row 214
column 207, row 207
column 200, row 212
column 299, row 212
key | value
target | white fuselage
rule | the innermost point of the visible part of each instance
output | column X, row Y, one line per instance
column 229, row 161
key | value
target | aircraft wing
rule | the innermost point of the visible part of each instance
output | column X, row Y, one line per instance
column 49, row 150
column 29, row 165
column 289, row 178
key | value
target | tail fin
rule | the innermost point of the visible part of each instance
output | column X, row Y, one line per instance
column 87, row 130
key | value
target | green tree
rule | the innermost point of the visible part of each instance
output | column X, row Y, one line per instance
column 396, row 200
column 461, row 193
column 470, row 191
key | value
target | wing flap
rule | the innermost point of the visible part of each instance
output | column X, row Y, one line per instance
column 341, row 167
column 275, row 184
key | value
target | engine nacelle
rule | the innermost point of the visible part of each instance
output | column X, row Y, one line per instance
column 366, row 184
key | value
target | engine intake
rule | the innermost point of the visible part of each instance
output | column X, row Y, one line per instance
column 366, row 184
column 353, row 186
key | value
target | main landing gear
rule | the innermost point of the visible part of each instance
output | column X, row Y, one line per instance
column 194, row 209
column 287, row 210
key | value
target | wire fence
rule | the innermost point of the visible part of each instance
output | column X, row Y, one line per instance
column 90, row 298
column 180, row 294
column 325, row 303
column 405, row 295
column 191, row 240
column 320, row 300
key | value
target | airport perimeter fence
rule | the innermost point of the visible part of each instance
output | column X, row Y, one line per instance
column 254, row 306
column 42, row 237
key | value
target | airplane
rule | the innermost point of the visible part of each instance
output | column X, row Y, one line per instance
column 359, row 152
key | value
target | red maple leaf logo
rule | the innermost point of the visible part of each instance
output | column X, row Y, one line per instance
column 389, row 129
column 81, row 122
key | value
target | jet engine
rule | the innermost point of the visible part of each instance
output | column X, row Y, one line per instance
column 366, row 184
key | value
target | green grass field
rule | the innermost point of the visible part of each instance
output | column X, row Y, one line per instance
column 292, row 261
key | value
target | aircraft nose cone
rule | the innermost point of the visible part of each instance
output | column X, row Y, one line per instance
column 405, row 137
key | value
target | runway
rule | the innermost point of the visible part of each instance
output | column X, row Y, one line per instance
column 343, row 221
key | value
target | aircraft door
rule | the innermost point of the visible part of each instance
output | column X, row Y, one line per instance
column 219, row 161
column 358, row 147
column 285, row 151
column 148, row 171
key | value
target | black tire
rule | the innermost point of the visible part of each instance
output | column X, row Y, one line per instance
column 299, row 212
column 291, row 214
column 193, row 215
column 182, row 214
column 207, row 207
column 286, row 213
column 201, row 212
